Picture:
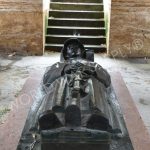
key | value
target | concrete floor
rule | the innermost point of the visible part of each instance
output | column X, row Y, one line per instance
column 15, row 70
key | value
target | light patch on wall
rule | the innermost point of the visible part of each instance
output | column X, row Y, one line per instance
column 46, row 4
column 107, row 10
column 107, row 4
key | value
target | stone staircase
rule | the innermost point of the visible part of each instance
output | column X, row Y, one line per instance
column 82, row 19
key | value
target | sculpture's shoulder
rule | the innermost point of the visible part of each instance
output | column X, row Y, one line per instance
column 53, row 72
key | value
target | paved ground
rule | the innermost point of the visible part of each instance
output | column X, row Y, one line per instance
column 15, row 70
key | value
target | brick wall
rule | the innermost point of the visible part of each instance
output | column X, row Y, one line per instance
column 130, row 28
column 21, row 26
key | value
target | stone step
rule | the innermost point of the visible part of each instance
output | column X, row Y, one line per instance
column 58, row 47
column 76, row 6
column 90, row 40
column 79, row 1
column 60, row 30
column 76, row 14
column 82, row 19
column 76, row 22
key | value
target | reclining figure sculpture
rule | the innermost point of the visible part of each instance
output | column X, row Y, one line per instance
column 75, row 110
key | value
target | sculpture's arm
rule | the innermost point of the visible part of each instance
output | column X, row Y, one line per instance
column 99, row 73
column 102, row 75
column 53, row 73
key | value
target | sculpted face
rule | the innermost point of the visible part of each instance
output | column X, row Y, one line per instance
column 73, row 51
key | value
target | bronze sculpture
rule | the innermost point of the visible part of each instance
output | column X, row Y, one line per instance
column 76, row 109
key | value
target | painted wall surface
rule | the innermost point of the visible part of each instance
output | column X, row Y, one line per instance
column 21, row 26
column 130, row 28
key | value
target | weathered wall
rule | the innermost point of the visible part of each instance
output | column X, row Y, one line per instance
column 130, row 28
column 21, row 26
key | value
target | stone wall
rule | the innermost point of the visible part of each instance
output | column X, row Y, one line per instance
column 21, row 27
column 130, row 28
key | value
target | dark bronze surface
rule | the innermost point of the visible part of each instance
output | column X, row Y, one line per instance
column 77, row 108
